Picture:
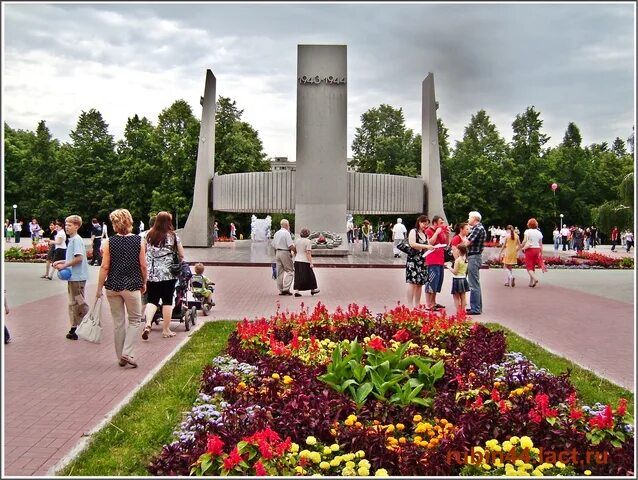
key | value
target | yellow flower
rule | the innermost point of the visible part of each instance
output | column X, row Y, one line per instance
column 311, row 441
column 350, row 464
column 348, row 472
column 497, row 462
column 526, row 442
column 275, row 376
column 327, row 451
column 514, row 440
column 390, row 428
column 420, row 428
column 363, row 472
column 479, row 450
column 335, row 462
column 486, row 466
column 364, row 463
column 294, row 448
column 534, row 450
column 287, row 380
column 315, row 457
column 299, row 469
column 519, row 463
column 324, row 465
column 546, row 465
column 334, row 447
column 507, row 446
column 382, row 472
column 304, row 454
column 400, row 427
column 360, row 454
column 587, row 472
column 417, row 418
column 537, row 473
column 348, row 457
column 560, row 464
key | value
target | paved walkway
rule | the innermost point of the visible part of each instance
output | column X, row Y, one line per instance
column 57, row 390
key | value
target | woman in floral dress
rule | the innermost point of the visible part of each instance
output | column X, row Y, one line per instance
column 415, row 268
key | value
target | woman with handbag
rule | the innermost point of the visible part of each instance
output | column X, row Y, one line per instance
column 163, row 249
column 123, row 273
column 415, row 268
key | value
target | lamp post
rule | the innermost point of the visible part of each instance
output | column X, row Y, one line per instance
column 561, row 221
column 15, row 214
column 554, row 187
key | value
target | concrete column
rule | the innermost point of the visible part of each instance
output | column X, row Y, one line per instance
column 430, row 156
column 321, row 179
column 198, row 231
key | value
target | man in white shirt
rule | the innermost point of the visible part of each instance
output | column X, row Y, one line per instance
column 141, row 226
column 564, row 233
column 283, row 245
column 398, row 234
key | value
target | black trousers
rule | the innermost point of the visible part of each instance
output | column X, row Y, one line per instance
column 97, row 257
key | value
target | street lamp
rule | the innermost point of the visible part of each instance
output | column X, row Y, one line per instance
column 561, row 221
column 15, row 214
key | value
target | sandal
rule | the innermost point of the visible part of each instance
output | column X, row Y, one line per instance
column 128, row 360
column 147, row 330
column 168, row 335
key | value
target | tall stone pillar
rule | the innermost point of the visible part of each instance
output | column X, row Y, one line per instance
column 321, row 177
column 198, row 231
column 430, row 156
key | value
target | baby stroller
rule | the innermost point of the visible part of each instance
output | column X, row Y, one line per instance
column 182, row 309
column 200, row 301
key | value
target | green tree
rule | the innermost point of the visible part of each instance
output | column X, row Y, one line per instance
column 238, row 147
column 17, row 147
column 618, row 147
column 572, row 136
column 139, row 161
column 382, row 144
column 177, row 137
column 474, row 177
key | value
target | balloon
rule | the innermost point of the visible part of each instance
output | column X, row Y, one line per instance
column 554, row 186
column 64, row 274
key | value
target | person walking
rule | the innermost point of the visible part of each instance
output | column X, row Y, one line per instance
column 96, row 242
column 233, row 231
column 75, row 259
column 35, row 230
column 475, row 243
column 594, row 236
column 398, row 235
column 304, row 269
column 284, row 246
column 350, row 230
column 51, row 253
column 59, row 242
column 215, row 232
column 460, row 285
column 8, row 230
column 564, row 234
column 123, row 274
column 614, row 238
column 629, row 240
column 381, row 232
column 533, row 248
column 160, row 243
column 415, row 269
column 557, row 238
column 366, row 232
column 509, row 255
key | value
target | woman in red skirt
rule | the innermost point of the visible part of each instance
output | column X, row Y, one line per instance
column 533, row 248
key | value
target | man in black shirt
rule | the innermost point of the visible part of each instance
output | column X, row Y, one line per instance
column 475, row 243
column 96, row 239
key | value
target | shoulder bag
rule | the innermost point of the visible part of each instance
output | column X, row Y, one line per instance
column 176, row 266
column 90, row 329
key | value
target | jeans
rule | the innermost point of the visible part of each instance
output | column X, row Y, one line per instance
column 556, row 243
column 97, row 257
column 473, row 269
column 366, row 242
column 350, row 236
column 564, row 243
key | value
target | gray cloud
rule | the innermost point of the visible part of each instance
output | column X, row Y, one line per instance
column 573, row 62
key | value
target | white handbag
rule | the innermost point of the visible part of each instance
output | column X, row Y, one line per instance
column 90, row 329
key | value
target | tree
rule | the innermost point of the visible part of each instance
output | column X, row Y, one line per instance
column 17, row 148
column 618, row 147
column 177, row 137
column 528, row 141
column 238, row 147
column 139, row 161
column 572, row 136
column 382, row 144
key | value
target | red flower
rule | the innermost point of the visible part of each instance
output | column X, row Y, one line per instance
column 402, row 335
column 571, row 399
column 622, row 407
column 377, row 344
column 232, row 460
column 264, row 449
column 575, row 414
column 503, row 406
column 215, row 446
column 495, row 395
column 478, row 403
column 260, row 471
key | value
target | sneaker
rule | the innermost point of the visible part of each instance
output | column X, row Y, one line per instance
column 72, row 336
column 314, row 292
column 513, row 282
column 147, row 330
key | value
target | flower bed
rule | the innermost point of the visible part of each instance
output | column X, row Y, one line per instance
column 33, row 254
column 406, row 392
column 224, row 239
column 582, row 260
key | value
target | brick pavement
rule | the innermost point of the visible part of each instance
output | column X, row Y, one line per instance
column 56, row 390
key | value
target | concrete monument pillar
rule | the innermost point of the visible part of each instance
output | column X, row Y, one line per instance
column 430, row 156
column 198, row 231
column 321, row 177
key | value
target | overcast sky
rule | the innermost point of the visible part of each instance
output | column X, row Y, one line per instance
column 573, row 62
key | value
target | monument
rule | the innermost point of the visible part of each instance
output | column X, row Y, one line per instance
column 320, row 191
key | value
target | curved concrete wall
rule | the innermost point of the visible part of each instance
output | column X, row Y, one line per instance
column 274, row 192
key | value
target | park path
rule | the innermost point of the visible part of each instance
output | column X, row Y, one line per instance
column 57, row 390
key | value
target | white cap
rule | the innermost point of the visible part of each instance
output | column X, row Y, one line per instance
column 399, row 220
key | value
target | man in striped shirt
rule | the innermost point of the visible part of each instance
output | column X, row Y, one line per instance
column 475, row 242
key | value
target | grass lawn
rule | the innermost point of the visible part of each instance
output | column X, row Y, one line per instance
column 591, row 388
column 137, row 433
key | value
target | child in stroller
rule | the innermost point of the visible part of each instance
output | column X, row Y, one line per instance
column 202, row 288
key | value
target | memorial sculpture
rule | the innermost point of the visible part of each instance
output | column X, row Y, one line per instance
column 320, row 192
